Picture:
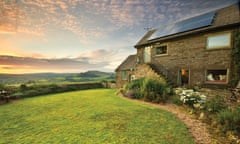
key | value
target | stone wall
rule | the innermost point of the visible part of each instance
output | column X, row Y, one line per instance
column 141, row 70
column 144, row 70
column 140, row 54
column 119, row 82
column 190, row 53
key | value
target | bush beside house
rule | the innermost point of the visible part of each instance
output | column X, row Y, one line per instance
column 148, row 89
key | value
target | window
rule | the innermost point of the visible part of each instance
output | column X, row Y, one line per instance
column 219, row 41
column 132, row 77
column 138, row 59
column 124, row 75
column 147, row 54
column 161, row 50
column 183, row 77
column 216, row 76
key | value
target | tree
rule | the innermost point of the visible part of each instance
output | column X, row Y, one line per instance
column 23, row 87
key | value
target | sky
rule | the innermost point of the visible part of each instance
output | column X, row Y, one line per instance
column 72, row 36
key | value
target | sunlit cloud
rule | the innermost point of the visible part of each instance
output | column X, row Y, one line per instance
column 56, row 13
column 8, row 16
column 4, row 31
column 111, row 58
column 30, row 31
column 12, row 63
column 99, row 55
column 63, row 5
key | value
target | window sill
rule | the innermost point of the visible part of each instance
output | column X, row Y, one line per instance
column 161, row 55
column 221, row 82
column 218, row 48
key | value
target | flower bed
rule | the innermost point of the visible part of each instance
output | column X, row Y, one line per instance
column 191, row 97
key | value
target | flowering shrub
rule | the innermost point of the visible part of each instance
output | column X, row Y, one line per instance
column 193, row 99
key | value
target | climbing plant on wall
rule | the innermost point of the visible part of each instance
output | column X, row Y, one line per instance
column 236, row 58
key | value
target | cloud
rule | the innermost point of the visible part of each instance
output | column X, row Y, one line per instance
column 35, row 32
column 111, row 58
column 8, row 16
column 47, row 16
column 99, row 55
column 99, row 59
column 36, row 16
column 132, row 13
column 14, row 63
column 62, row 5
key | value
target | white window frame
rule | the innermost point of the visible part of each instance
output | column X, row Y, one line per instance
column 216, row 81
column 214, row 37
column 162, row 45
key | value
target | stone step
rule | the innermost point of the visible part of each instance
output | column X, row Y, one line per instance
column 163, row 72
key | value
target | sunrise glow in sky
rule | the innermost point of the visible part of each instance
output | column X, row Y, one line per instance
column 80, row 35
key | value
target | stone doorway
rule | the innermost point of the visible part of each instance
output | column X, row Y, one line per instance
column 183, row 77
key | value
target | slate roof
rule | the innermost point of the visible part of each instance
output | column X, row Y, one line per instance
column 128, row 64
column 224, row 17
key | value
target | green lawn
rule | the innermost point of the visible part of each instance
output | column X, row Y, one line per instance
column 88, row 116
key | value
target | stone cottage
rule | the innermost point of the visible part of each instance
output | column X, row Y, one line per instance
column 194, row 51
column 125, row 72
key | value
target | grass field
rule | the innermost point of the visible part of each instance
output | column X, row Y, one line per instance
column 88, row 116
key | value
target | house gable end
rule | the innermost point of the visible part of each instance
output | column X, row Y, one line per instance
column 128, row 63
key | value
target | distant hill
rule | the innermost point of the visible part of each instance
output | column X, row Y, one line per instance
column 96, row 74
column 56, row 77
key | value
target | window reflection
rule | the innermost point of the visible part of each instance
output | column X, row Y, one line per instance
column 219, row 41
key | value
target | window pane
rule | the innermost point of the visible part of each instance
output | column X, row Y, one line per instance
column 124, row 75
column 216, row 76
column 161, row 50
column 219, row 41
